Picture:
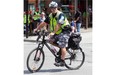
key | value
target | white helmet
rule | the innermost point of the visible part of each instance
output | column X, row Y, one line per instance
column 53, row 4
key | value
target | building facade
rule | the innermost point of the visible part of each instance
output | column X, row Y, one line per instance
column 69, row 7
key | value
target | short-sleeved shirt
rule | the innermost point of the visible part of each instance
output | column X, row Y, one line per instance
column 78, row 14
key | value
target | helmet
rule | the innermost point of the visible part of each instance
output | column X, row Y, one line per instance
column 53, row 4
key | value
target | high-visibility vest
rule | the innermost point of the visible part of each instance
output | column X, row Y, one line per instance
column 36, row 16
column 53, row 22
column 24, row 19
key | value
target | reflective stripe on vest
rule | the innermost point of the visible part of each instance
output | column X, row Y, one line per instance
column 36, row 16
column 24, row 19
column 53, row 23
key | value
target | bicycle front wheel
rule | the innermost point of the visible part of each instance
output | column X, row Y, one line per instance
column 74, row 59
column 35, row 60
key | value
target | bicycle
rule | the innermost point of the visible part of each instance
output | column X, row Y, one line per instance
column 73, row 60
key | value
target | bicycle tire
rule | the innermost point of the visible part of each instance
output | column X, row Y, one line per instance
column 78, row 65
column 35, row 61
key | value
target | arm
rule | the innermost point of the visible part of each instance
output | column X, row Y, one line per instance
column 57, row 27
column 42, row 24
column 77, row 16
column 77, row 19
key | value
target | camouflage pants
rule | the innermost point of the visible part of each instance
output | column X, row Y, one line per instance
column 61, row 39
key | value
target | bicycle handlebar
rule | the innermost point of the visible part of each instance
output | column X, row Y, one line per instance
column 41, row 33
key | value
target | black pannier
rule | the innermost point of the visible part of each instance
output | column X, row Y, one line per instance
column 74, row 41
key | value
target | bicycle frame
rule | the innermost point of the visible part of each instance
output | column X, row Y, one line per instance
column 45, row 42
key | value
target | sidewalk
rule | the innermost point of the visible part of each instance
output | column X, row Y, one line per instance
column 33, row 38
column 86, row 30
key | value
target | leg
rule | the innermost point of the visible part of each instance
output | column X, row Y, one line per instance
column 63, row 50
column 62, row 42
column 61, row 61
column 78, row 27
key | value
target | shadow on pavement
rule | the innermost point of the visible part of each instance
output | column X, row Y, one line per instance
column 46, row 70
column 27, row 72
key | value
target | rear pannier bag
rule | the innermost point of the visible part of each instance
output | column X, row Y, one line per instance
column 74, row 41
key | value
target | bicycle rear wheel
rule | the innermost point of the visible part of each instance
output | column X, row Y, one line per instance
column 35, row 60
column 74, row 59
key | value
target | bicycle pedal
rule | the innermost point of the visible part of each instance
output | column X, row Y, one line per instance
column 56, row 65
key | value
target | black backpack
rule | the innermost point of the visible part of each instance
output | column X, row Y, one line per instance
column 74, row 41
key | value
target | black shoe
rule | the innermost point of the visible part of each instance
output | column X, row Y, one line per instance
column 61, row 63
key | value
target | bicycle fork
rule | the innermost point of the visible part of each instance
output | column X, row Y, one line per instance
column 37, row 55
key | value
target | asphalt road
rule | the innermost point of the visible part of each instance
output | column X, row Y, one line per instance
column 49, row 69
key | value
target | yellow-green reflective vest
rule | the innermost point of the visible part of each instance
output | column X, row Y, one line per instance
column 53, row 23
column 24, row 18
column 36, row 16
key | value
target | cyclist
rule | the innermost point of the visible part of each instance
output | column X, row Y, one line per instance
column 59, row 28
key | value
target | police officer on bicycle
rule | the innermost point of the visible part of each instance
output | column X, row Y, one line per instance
column 59, row 28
